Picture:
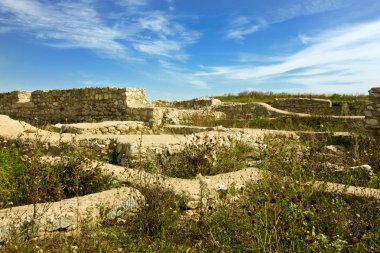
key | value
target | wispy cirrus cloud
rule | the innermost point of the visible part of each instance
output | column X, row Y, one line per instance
column 346, row 57
column 134, row 34
column 296, row 8
column 66, row 24
column 177, row 75
column 162, row 42
column 132, row 3
column 242, row 26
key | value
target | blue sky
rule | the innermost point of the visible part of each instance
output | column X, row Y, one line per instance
column 180, row 49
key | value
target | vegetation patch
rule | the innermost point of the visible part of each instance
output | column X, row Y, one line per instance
column 206, row 156
column 357, row 164
column 27, row 177
column 268, row 97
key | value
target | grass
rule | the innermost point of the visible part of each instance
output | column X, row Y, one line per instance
column 293, row 123
column 272, row 216
column 27, row 178
column 206, row 156
column 268, row 97
column 281, row 213
column 312, row 124
column 320, row 161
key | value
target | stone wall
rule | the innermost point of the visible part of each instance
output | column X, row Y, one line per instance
column 357, row 107
column 130, row 104
column 304, row 105
column 372, row 114
column 197, row 103
column 78, row 105
column 246, row 111
column 173, row 116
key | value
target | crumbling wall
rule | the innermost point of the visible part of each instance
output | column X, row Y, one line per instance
column 10, row 101
column 304, row 105
column 78, row 105
column 357, row 107
column 173, row 116
column 197, row 103
column 372, row 114
column 244, row 111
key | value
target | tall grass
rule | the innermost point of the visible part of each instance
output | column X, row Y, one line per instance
column 207, row 156
column 27, row 177
column 268, row 97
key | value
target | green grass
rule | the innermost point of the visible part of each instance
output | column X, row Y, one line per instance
column 26, row 179
column 293, row 123
column 272, row 216
column 206, row 156
column 281, row 213
column 314, row 124
column 268, row 97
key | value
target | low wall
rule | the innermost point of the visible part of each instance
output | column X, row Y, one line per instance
column 246, row 111
column 304, row 105
column 130, row 104
column 197, row 103
column 78, row 105
column 372, row 114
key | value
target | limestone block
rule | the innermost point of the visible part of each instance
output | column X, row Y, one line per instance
column 68, row 214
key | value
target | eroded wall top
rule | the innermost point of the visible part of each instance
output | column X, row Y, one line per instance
column 74, row 105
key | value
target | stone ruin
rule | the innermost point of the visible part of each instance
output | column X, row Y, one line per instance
column 123, row 114
column 130, row 104
column 372, row 114
column 77, row 105
column 317, row 106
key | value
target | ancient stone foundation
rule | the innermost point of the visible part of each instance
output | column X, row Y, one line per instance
column 372, row 114
column 77, row 105
column 304, row 105
column 130, row 104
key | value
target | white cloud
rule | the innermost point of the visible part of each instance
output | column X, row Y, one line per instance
column 296, row 8
column 171, row 4
column 347, row 56
column 168, row 38
column 172, row 74
column 157, row 23
column 162, row 48
column 243, row 26
column 304, row 39
column 132, row 3
column 78, row 24
column 66, row 24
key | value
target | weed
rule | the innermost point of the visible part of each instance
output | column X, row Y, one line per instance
column 27, row 177
column 206, row 156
